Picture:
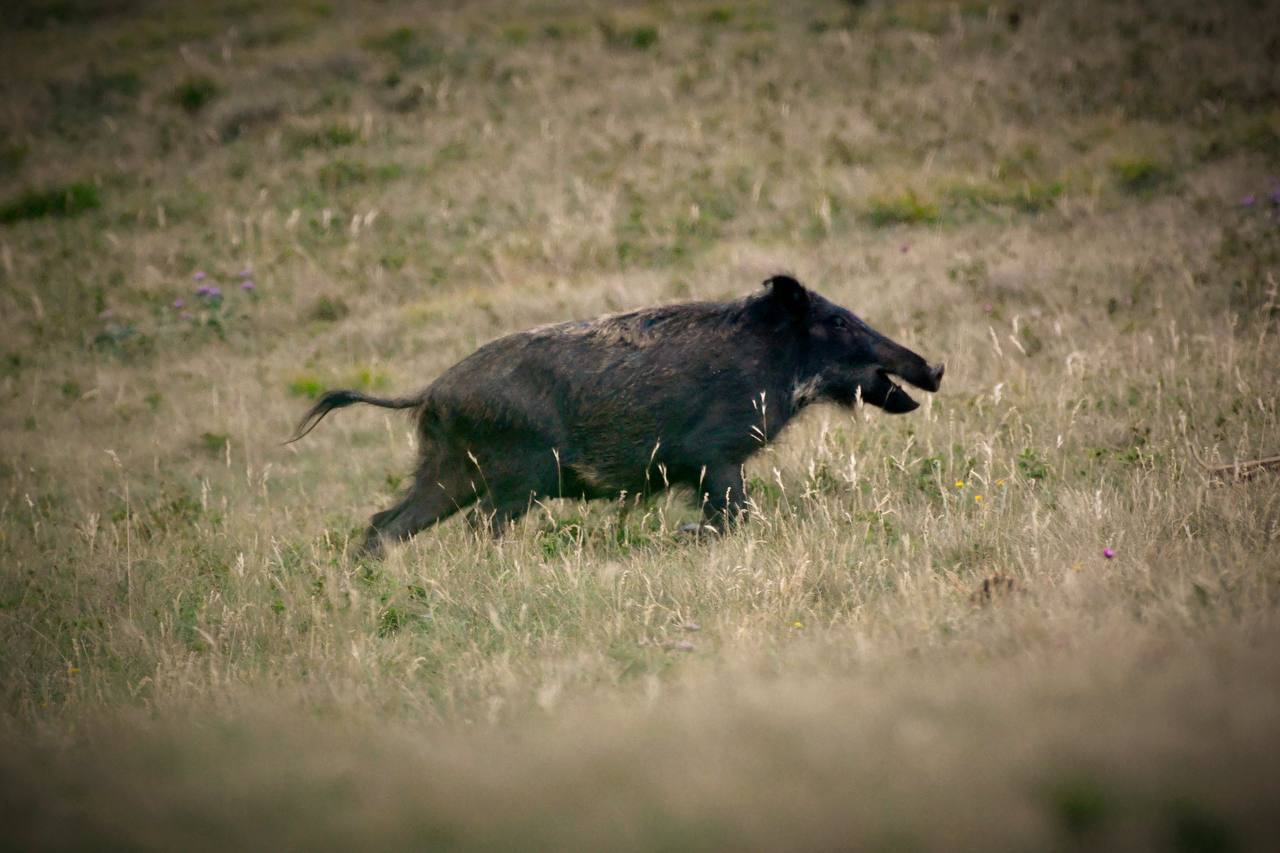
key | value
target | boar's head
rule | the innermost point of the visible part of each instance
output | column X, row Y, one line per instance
column 842, row 359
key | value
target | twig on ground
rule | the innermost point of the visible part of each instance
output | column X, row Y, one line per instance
column 1238, row 471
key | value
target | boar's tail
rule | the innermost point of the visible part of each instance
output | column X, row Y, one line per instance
column 340, row 399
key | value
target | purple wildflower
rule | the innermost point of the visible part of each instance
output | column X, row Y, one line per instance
column 248, row 285
column 199, row 276
column 1247, row 201
column 1275, row 196
column 179, row 304
column 246, row 272
column 1108, row 553
column 203, row 290
column 214, row 291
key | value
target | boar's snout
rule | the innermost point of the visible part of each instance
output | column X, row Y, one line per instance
column 934, row 376
column 905, row 364
column 896, row 360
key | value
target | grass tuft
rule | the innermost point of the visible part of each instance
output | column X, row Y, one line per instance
column 195, row 93
column 903, row 209
column 1140, row 176
column 69, row 200
column 639, row 38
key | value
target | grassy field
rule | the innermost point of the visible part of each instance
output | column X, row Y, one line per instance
column 211, row 212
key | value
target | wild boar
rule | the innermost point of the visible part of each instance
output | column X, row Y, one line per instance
column 632, row 403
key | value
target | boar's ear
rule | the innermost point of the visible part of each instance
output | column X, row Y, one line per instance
column 789, row 294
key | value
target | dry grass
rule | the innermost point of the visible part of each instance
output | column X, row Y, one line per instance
column 917, row 643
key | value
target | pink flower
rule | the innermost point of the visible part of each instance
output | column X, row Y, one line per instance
column 199, row 276
column 246, row 272
column 248, row 285
column 178, row 304
column 1108, row 553
column 1247, row 201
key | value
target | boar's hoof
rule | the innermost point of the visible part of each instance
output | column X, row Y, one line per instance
column 698, row 530
column 371, row 548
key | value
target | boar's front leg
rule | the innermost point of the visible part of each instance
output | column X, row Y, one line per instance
column 724, row 497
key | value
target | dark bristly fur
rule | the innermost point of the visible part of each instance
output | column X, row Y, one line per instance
column 631, row 403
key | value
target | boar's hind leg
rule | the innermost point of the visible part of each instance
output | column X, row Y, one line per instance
column 512, row 483
column 431, row 499
column 724, row 497
column 417, row 511
column 486, row 517
column 509, row 493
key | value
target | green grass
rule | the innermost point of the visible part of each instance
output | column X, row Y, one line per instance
column 634, row 38
column 1140, row 175
column 1026, row 197
column 69, row 200
column 306, row 386
column 195, row 93
column 902, row 209
column 916, row 643
column 412, row 49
